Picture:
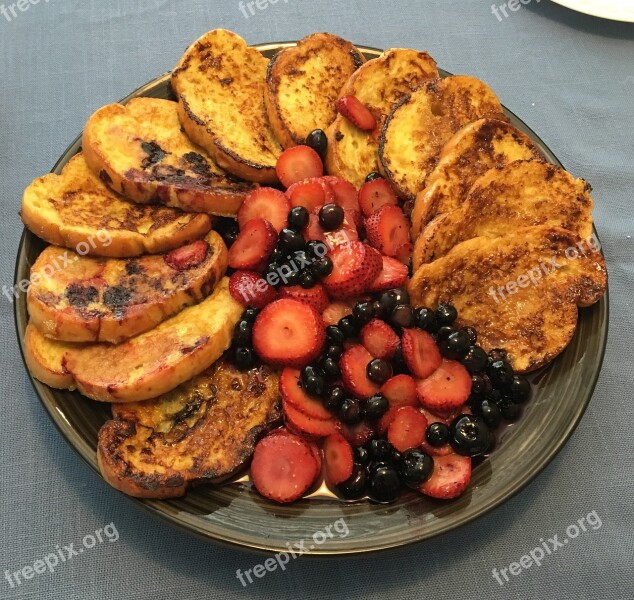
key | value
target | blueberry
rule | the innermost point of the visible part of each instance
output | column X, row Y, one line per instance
column 250, row 314
column 376, row 407
column 313, row 380
column 426, row 319
column 510, row 410
column 470, row 435
column 322, row 267
column 292, row 278
column 291, row 240
column 349, row 327
column 437, row 434
column 455, row 345
column 301, row 258
column 307, row 280
column 272, row 268
column 472, row 333
column 402, row 316
column 244, row 358
column 318, row 141
column 361, row 455
column 335, row 335
column 444, row 332
column 391, row 298
column 277, row 256
column 501, row 374
column 298, row 219
column 334, row 352
column 335, row 398
column 415, row 467
column 399, row 366
column 490, row 413
column 380, row 449
column 372, row 176
column 475, row 360
column 478, row 385
column 363, row 312
column 395, row 457
column 331, row 216
column 520, row 388
column 498, row 354
column 378, row 309
column 353, row 488
column 228, row 230
column 350, row 411
column 379, row 370
column 495, row 396
column 384, row 484
column 242, row 333
column 446, row 314
column 330, row 367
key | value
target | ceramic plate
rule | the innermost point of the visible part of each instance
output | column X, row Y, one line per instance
column 617, row 10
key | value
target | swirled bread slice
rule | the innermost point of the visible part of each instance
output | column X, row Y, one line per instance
column 144, row 366
column 140, row 151
column 220, row 84
column 202, row 432
column 303, row 84
column 379, row 84
column 520, row 194
column 81, row 299
column 420, row 124
column 78, row 211
column 520, row 292
column 471, row 152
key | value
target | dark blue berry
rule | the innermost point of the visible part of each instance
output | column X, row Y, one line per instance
column 379, row 370
column 313, row 380
column 437, row 434
column 376, row 407
column 470, row 435
column 318, row 141
column 384, row 484
column 475, row 360
column 355, row 486
column 350, row 411
column 298, row 219
column 446, row 314
column 331, row 216
column 415, row 467
column 244, row 358
column 426, row 319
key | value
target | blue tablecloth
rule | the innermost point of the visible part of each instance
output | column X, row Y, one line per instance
column 569, row 76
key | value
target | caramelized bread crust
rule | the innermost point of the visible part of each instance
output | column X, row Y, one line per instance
column 202, row 432
column 44, row 358
column 140, row 151
column 77, row 208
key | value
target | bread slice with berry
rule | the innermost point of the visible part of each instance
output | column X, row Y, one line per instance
column 520, row 292
column 378, row 84
column 144, row 366
column 141, row 152
column 304, row 82
column 519, row 194
column 204, row 431
column 220, row 84
column 77, row 210
column 477, row 147
column 111, row 299
column 423, row 122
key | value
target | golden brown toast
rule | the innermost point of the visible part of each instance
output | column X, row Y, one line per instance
column 110, row 299
column 379, row 84
column 421, row 123
column 520, row 194
column 44, row 358
column 140, row 151
column 510, row 290
column 78, row 211
column 202, row 432
column 147, row 365
column 473, row 150
column 303, row 85
column 220, row 84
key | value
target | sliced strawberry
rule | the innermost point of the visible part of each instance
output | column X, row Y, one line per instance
column 385, row 421
column 315, row 296
column 312, row 194
column 359, row 434
column 353, row 364
column 300, row 422
column 355, row 266
column 375, row 195
column 379, row 339
column 338, row 458
column 283, row 467
column 447, row 417
column 253, row 246
column 292, row 392
column 288, row 333
column 347, row 232
column 400, row 390
column 268, row 204
column 356, row 112
column 450, row 478
column 336, row 311
column 407, row 429
column 297, row 163
column 404, row 253
column 346, row 194
column 447, row 389
column 420, row 352
column 249, row 289
column 393, row 274
column 187, row 257
column 387, row 229
column 443, row 450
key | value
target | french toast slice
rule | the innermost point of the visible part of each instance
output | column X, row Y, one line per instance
column 379, row 84
column 220, row 84
column 517, row 195
column 78, row 211
column 520, row 292
column 149, row 364
column 471, row 152
column 420, row 124
column 110, row 299
column 202, row 432
column 44, row 358
column 303, row 85
column 140, row 151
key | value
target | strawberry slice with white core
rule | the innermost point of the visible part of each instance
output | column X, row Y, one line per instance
column 300, row 422
column 288, row 333
column 187, row 257
column 356, row 112
column 315, row 296
column 407, row 429
column 376, row 194
column 265, row 203
column 355, row 266
column 292, row 392
column 298, row 163
column 339, row 459
column 336, row 311
column 450, row 478
column 420, row 352
column 354, row 364
column 400, row 390
column 379, row 339
column 250, row 289
column 393, row 274
column 387, row 230
column 312, row 194
column 447, row 389
column 253, row 246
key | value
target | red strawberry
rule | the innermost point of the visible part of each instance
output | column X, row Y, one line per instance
column 407, row 429
column 375, row 194
column 385, row 421
column 288, row 333
column 253, row 246
column 249, row 289
column 346, row 233
column 451, row 477
column 312, row 194
column 300, row 422
column 356, row 112
column 387, row 229
column 400, row 390
column 404, row 253
column 445, row 418
column 447, row 389
column 420, row 352
column 356, row 265
column 292, row 392
column 187, row 257
column 353, row 364
column 443, row 450
column 315, row 296
column 283, row 467
column 336, row 311
column 379, row 339
column 268, row 204
column 394, row 274
column 338, row 458
column 297, row 163
column 346, row 194
column 359, row 434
